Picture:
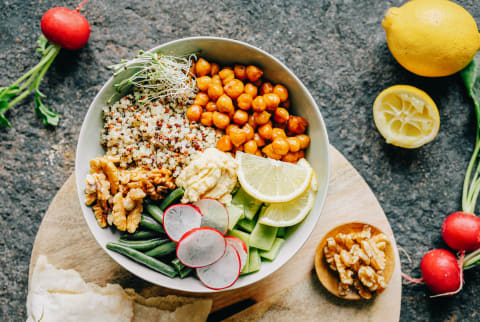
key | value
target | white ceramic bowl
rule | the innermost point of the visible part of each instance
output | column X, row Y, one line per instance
column 222, row 51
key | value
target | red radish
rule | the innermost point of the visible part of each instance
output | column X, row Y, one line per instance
column 65, row 27
column 223, row 273
column 441, row 272
column 241, row 248
column 461, row 231
column 179, row 219
column 201, row 247
column 215, row 215
column 61, row 28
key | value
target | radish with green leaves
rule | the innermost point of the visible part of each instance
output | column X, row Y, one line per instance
column 442, row 272
column 61, row 28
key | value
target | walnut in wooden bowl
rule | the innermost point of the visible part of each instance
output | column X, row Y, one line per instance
column 355, row 261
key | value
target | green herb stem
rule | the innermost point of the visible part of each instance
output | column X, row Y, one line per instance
column 29, row 81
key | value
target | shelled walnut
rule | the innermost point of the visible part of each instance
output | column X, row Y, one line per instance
column 117, row 195
column 359, row 258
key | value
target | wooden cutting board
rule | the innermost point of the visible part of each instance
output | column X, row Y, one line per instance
column 66, row 240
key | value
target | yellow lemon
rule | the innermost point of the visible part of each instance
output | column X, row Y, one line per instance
column 406, row 116
column 431, row 38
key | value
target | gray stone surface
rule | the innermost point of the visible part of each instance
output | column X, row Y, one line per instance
column 337, row 48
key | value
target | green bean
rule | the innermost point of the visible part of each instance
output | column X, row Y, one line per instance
column 139, row 235
column 150, row 223
column 155, row 212
column 162, row 250
column 144, row 244
column 141, row 258
column 170, row 199
column 177, row 264
column 185, row 272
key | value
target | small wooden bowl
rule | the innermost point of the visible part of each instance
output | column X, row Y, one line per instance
column 330, row 278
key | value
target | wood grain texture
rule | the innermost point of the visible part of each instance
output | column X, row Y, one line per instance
column 64, row 237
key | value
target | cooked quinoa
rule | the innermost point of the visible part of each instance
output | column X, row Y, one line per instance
column 153, row 134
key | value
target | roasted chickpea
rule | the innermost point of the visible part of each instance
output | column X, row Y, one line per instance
column 234, row 88
column 280, row 146
column 207, row 118
column 249, row 131
column 216, row 80
column 203, row 83
column 214, row 69
column 294, row 144
column 297, row 124
column 286, row 104
column 251, row 122
column 230, row 127
column 202, row 67
column 281, row 91
column 224, row 144
column 258, row 104
column 291, row 157
column 304, row 140
column 251, row 89
column 259, row 140
column 211, row 106
column 253, row 73
column 225, row 104
column 194, row 113
column 271, row 101
column 259, row 153
column 240, row 117
column 278, row 133
column 238, row 136
column 250, row 147
column 215, row 91
column 220, row 120
column 244, row 101
column 226, row 75
column 258, row 82
column 269, row 152
column 265, row 131
column 301, row 154
column 281, row 115
column 266, row 88
column 262, row 117
column 240, row 72
column 201, row 99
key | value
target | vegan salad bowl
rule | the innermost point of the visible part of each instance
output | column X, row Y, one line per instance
column 103, row 168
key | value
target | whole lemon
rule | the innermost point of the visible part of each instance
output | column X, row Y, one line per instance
column 431, row 38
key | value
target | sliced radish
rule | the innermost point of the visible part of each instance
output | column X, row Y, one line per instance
column 201, row 247
column 241, row 248
column 223, row 273
column 178, row 219
column 214, row 213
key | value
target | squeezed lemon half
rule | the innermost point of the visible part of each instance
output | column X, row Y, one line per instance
column 406, row 116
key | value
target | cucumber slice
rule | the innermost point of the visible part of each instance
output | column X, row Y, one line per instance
column 235, row 213
column 250, row 204
column 247, row 225
column 254, row 261
column 245, row 267
column 273, row 253
column 263, row 236
column 282, row 232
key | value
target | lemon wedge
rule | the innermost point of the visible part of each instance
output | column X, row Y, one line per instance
column 406, row 116
column 314, row 183
column 272, row 181
column 288, row 213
